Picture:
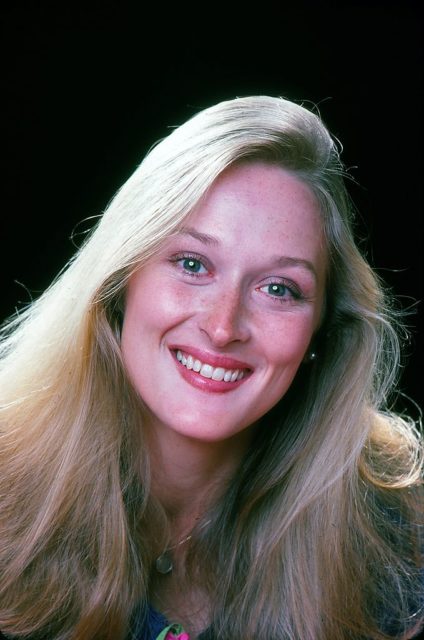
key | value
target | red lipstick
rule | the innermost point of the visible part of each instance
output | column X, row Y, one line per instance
column 214, row 359
column 209, row 385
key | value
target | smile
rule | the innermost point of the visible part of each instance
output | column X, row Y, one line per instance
column 208, row 371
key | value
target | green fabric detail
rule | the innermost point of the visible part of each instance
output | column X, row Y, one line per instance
column 173, row 628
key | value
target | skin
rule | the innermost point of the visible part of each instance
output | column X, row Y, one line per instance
column 228, row 296
column 244, row 281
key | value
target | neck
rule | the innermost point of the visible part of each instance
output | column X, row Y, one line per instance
column 188, row 474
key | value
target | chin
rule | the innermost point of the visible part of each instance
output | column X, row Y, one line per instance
column 208, row 433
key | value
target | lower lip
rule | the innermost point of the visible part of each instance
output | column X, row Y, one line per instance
column 207, row 384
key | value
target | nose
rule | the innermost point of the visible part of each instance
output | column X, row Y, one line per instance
column 224, row 319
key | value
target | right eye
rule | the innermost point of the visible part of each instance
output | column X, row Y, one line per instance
column 191, row 264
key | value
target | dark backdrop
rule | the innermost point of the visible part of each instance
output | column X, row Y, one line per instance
column 87, row 90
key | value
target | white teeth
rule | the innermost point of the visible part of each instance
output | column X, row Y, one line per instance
column 207, row 371
column 218, row 374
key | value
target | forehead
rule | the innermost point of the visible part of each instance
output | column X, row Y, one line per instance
column 260, row 185
column 258, row 203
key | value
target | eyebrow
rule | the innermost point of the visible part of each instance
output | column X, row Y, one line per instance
column 287, row 261
column 203, row 237
column 282, row 261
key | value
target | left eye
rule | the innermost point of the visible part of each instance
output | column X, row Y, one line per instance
column 192, row 265
column 276, row 289
column 279, row 290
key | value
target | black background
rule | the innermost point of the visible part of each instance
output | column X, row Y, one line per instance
column 88, row 89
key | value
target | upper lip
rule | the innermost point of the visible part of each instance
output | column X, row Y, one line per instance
column 214, row 359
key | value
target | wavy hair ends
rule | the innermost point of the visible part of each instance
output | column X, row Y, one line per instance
column 75, row 556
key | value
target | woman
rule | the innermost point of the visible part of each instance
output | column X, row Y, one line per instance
column 194, row 420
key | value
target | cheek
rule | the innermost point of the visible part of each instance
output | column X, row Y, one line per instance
column 152, row 307
column 168, row 307
column 287, row 343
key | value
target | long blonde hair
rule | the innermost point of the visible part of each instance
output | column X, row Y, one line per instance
column 317, row 536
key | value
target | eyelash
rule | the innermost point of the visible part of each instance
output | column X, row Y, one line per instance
column 294, row 292
column 190, row 256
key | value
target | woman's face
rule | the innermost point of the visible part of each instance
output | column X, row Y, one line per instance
column 219, row 321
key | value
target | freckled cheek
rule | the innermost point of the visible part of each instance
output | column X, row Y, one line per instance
column 159, row 305
column 288, row 343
